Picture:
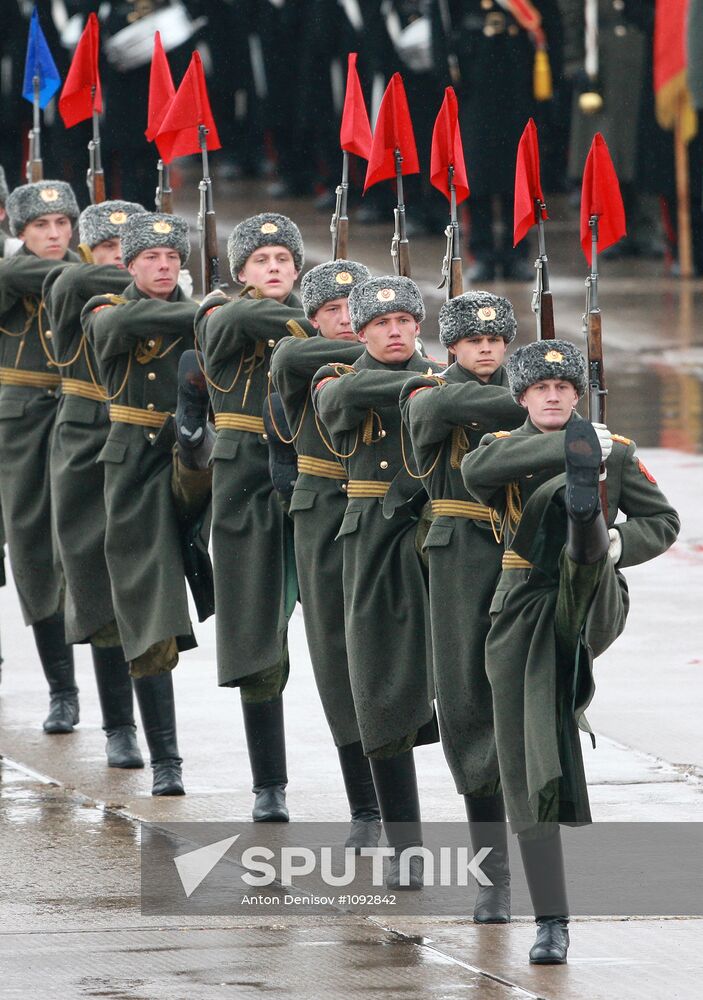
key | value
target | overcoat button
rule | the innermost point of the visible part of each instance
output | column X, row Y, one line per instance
column 151, row 376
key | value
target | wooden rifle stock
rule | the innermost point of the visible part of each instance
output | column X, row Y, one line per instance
column 404, row 258
column 597, row 390
column 546, row 316
column 164, row 194
column 98, row 181
column 341, row 239
column 456, row 278
column 35, row 171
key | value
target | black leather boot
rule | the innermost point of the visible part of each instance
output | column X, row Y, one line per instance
column 266, row 742
column 116, row 703
column 587, row 537
column 487, row 828
column 543, row 860
column 365, row 829
column 157, row 707
column 57, row 662
column 396, row 789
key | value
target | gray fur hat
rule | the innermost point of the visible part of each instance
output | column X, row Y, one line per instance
column 334, row 280
column 387, row 294
column 476, row 314
column 148, row 230
column 4, row 192
column 27, row 202
column 266, row 230
column 545, row 359
column 105, row 221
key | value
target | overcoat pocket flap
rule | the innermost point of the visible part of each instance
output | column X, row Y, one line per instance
column 440, row 534
column 350, row 523
column 302, row 499
column 10, row 409
column 497, row 602
column 113, row 451
column 224, row 447
column 76, row 410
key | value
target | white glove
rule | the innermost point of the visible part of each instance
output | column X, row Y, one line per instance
column 215, row 298
column 615, row 547
column 185, row 280
column 606, row 440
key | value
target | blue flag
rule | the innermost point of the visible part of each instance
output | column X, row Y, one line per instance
column 39, row 63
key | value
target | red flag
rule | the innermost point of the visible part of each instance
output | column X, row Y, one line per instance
column 355, row 133
column 447, row 150
column 161, row 91
column 600, row 195
column 528, row 185
column 76, row 102
column 178, row 134
column 394, row 130
column 671, row 94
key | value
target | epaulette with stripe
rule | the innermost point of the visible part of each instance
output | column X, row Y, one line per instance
column 502, row 434
column 621, row 439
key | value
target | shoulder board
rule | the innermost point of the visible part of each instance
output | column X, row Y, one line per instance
column 621, row 439
column 341, row 369
column 296, row 330
column 115, row 300
column 501, row 434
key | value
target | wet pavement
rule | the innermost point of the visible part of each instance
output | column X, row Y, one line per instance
column 70, row 922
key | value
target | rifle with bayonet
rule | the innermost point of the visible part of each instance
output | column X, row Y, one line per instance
column 164, row 194
column 542, row 302
column 339, row 225
column 35, row 166
column 400, row 248
column 96, row 176
column 597, row 389
column 207, row 223
column 452, row 265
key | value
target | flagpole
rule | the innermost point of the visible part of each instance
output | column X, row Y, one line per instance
column 35, row 168
column 683, row 194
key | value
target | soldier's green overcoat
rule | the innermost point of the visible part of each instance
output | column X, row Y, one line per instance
column 538, row 699
column 252, row 543
column 26, row 425
column 317, row 508
column 446, row 419
column 386, row 606
column 138, row 344
column 81, row 430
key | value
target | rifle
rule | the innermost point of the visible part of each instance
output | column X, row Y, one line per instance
column 207, row 223
column 164, row 199
column 400, row 248
column 339, row 224
column 452, row 58
column 542, row 302
column 35, row 167
column 597, row 390
column 96, row 177
column 452, row 269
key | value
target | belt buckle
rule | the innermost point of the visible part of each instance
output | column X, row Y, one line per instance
column 495, row 23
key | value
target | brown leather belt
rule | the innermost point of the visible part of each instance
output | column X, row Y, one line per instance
column 35, row 380
column 321, row 467
column 136, row 415
column 511, row 560
column 239, row 422
column 464, row 508
column 88, row 390
column 366, row 488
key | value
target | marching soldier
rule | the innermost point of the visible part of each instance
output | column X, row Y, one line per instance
column 386, row 609
column 447, row 415
column 43, row 215
column 561, row 601
column 139, row 338
column 255, row 583
column 317, row 507
column 78, row 479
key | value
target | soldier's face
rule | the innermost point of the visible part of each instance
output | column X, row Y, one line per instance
column 155, row 271
column 332, row 320
column 108, row 252
column 48, row 236
column 481, row 356
column 550, row 403
column 390, row 338
column 272, row 271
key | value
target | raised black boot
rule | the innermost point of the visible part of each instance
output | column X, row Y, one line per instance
column 157, row 708
column 587, row 537
column 266, row 742
column 116, row 704
column 57, row 662
column 396, row 789
column 487, row 828
column 365, row 829
column 543, row 860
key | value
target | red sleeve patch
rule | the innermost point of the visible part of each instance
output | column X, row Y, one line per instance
column 211, row 310
column 419, row 389
column 329, row 378
column 645, row 471
column 104, row 306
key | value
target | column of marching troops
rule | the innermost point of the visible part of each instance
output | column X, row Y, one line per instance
column 441, row 526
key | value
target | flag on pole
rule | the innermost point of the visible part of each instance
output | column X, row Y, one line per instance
column 355, row 133
column 600, row 195
column 39, row 63
column 671, row 94
column 189, row 109
column 76, row 102
column 448, row 150
column 394, row 130
column 528, row 185
column 161, row 91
